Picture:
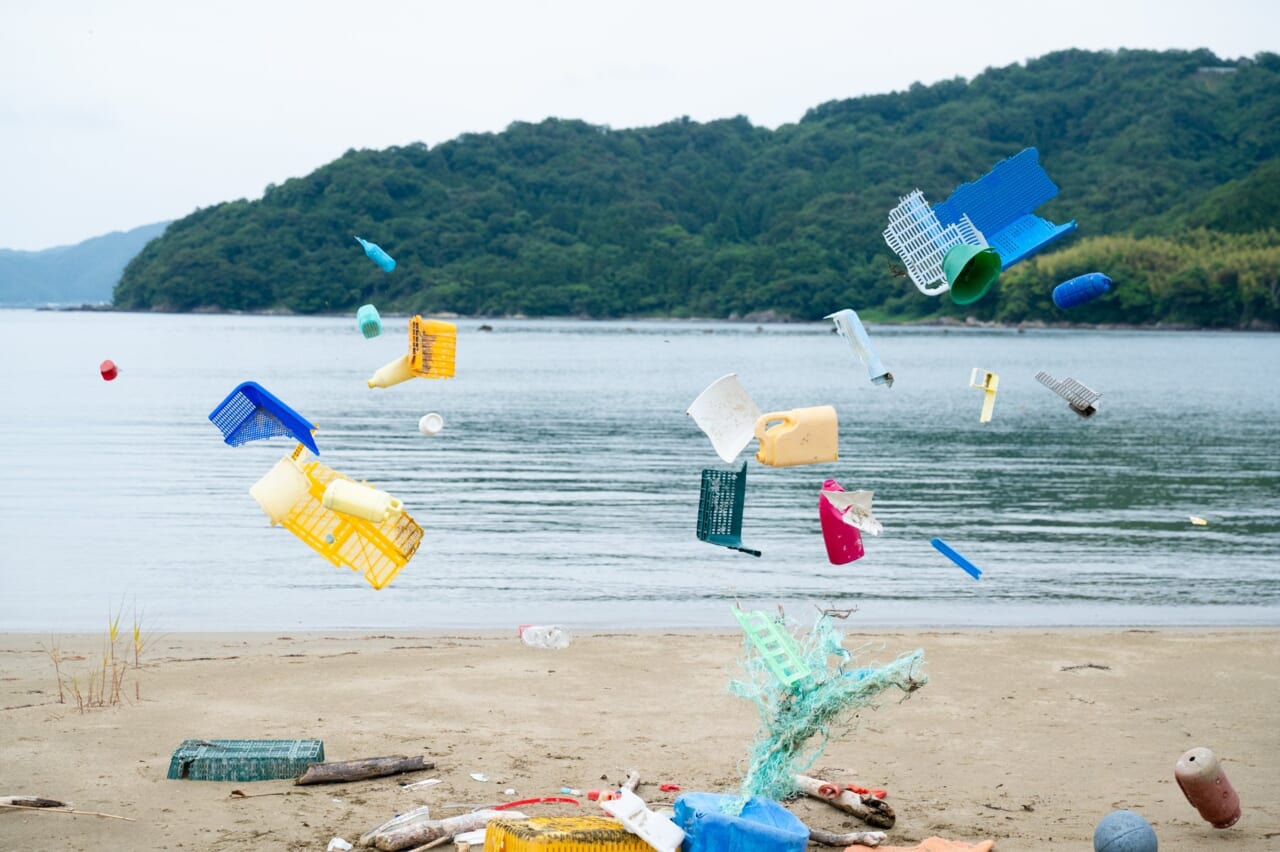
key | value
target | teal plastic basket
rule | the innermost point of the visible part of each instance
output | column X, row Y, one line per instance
column 244, row 760
column 720, row 507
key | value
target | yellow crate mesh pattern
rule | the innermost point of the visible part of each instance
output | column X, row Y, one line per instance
column 433, row 346
column 561, row 834
column 377, row 550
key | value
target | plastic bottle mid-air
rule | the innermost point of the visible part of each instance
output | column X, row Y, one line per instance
column 377, row 255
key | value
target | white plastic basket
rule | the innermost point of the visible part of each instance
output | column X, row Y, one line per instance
column 916, row 236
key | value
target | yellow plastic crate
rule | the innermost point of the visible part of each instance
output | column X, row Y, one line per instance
column 433, row 347
column 377, row 550
column 561, row 834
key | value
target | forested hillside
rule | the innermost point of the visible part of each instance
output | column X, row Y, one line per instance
column 1169, row 162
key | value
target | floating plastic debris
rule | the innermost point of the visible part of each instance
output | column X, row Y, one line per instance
column 1200, row 522
column 804, row 436
column 727, row 414
column 852, row 330
column 252, row 413
column 720, row 506
column 942, row 547
column 842, row 538
column 292, row 495
column 108, row 370
column 987, row 382
column 956, row 244
column 377, row 255
column 369, row 321
column 1080, row 290
column 1081, row 399
column 431, row 424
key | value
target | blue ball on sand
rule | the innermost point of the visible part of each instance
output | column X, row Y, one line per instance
column 1124, row 831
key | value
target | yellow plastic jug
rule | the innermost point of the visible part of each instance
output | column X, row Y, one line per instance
column 352, row 498
column 805, row 436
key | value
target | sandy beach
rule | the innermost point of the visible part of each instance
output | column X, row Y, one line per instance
column 1027, row 738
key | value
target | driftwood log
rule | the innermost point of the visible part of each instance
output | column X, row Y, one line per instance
column 30, row 802
column 419, row 833
column 852, row 838
column 416, row 815
column 866, row 807
column 358, row 770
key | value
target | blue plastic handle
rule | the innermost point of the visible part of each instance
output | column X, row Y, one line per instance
column 973, row 570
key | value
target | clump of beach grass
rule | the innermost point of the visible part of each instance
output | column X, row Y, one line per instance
column 104, row 684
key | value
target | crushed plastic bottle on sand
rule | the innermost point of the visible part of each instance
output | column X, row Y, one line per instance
column 545, row 636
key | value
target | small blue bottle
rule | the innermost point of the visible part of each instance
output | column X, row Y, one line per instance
column 1080, row 290
column 377, row 255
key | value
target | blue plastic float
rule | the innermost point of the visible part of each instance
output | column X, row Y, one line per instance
column 1080, row 290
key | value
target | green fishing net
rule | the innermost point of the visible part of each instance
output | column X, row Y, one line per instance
column 821, row 693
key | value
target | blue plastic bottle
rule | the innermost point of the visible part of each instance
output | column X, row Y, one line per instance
column 1081, row 289
column 762, row 826
column 377, row 255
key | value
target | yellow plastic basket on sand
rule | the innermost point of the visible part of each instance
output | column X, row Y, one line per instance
column 433, row 346
column 561, row 834
column 376, row 550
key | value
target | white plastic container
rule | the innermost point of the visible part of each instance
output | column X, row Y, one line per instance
column 352, row 498
column 727, row 414
column 545, row 636
column 653, row 828
column 280, row 490
column 431, row 424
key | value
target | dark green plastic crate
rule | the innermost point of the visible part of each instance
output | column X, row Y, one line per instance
column 244, row 760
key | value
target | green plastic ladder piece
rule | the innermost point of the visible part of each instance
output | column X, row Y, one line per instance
column 244, row 760
column 720, row 508
column 777, row 647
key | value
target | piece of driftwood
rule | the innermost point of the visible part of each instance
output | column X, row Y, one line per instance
column 46, row 809
column 415, row 815
column 851, row 838
column 866, row 807
column 417, row 834
column 633, row 780
column 357, row 770
column 31, row 802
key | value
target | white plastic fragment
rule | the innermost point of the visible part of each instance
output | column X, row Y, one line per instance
column 339, row 844
column 858, row 504
column 653, row 828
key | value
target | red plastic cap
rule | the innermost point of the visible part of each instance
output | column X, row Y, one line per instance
column 108, row 370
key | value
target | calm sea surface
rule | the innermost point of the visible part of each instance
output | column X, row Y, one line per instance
column 564, row 486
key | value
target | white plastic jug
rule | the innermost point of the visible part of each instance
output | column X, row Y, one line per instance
column 280, row 490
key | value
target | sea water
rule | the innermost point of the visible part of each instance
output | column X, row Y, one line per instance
column 564, row 484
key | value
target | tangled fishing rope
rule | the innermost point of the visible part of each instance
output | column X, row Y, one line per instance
column 825, row 699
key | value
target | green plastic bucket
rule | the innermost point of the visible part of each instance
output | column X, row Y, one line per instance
column 970, row 270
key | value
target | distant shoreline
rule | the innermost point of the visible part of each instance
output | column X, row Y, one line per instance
column 939, row 322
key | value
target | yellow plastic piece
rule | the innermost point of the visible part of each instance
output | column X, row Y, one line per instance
column 561, row 834
column 376, row 550
column 1200, row 522
column 987, row 382
column 805, row 436
column 392, row 373
column 433, row 346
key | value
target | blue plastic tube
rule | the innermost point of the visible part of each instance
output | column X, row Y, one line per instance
column 378, row 256
column 973, row 570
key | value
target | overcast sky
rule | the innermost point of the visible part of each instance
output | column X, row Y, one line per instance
column 119, row 114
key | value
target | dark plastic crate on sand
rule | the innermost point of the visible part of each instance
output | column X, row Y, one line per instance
column 244, row 760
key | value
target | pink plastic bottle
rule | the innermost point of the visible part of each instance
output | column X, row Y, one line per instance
column 1206, row 787
column 843, row 540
